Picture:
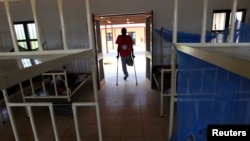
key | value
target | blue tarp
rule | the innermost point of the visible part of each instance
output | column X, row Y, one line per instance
column 241, row 34
column 206, row 95
column 184, row 37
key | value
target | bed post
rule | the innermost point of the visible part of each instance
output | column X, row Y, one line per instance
column 173, row 69
column 34, row 11
column 63, row 28
column 94, row 75
column 204, row 22
column 12, row 30
column 231, row 32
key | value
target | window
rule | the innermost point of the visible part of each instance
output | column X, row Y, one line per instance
column 109, row 36
column 26, row 35
column 222, row 18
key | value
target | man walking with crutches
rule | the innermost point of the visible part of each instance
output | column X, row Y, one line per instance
column 125, row 50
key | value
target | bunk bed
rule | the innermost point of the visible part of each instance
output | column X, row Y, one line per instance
column 162, row 73
column 12, row 72
column 213, row 87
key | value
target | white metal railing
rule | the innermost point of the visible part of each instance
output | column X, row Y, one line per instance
column 31, row 117
column 74, row 107
column 29, row 106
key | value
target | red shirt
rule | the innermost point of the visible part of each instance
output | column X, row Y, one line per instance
column 125, row 45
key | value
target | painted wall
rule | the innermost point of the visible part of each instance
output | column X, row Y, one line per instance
column 111, row 45
column 190, row 14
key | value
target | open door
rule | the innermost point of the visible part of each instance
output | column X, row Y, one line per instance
column 149, row 44
column 98, row 49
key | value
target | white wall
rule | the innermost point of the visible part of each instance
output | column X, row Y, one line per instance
column 190, row 13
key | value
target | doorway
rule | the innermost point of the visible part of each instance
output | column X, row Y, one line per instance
column 110, row 28
column 139, row 26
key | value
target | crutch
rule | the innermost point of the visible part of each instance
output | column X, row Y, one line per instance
column 135, row 71
column 117, row 71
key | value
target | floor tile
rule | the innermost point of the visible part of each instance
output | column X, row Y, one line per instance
column 132, row 130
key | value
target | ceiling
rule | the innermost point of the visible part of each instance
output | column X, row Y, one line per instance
column 123, row 19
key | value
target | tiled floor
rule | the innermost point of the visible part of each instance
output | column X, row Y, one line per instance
column 128, row 112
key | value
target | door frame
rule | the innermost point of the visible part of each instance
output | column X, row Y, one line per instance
column 98, row 49
column 148, row 53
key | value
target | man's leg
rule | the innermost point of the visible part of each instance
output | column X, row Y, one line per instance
column 124, row 68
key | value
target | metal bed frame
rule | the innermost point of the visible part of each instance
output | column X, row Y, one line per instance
column 48, row 60
column 67, row 93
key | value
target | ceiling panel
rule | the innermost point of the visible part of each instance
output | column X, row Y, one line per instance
column 123, row 19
